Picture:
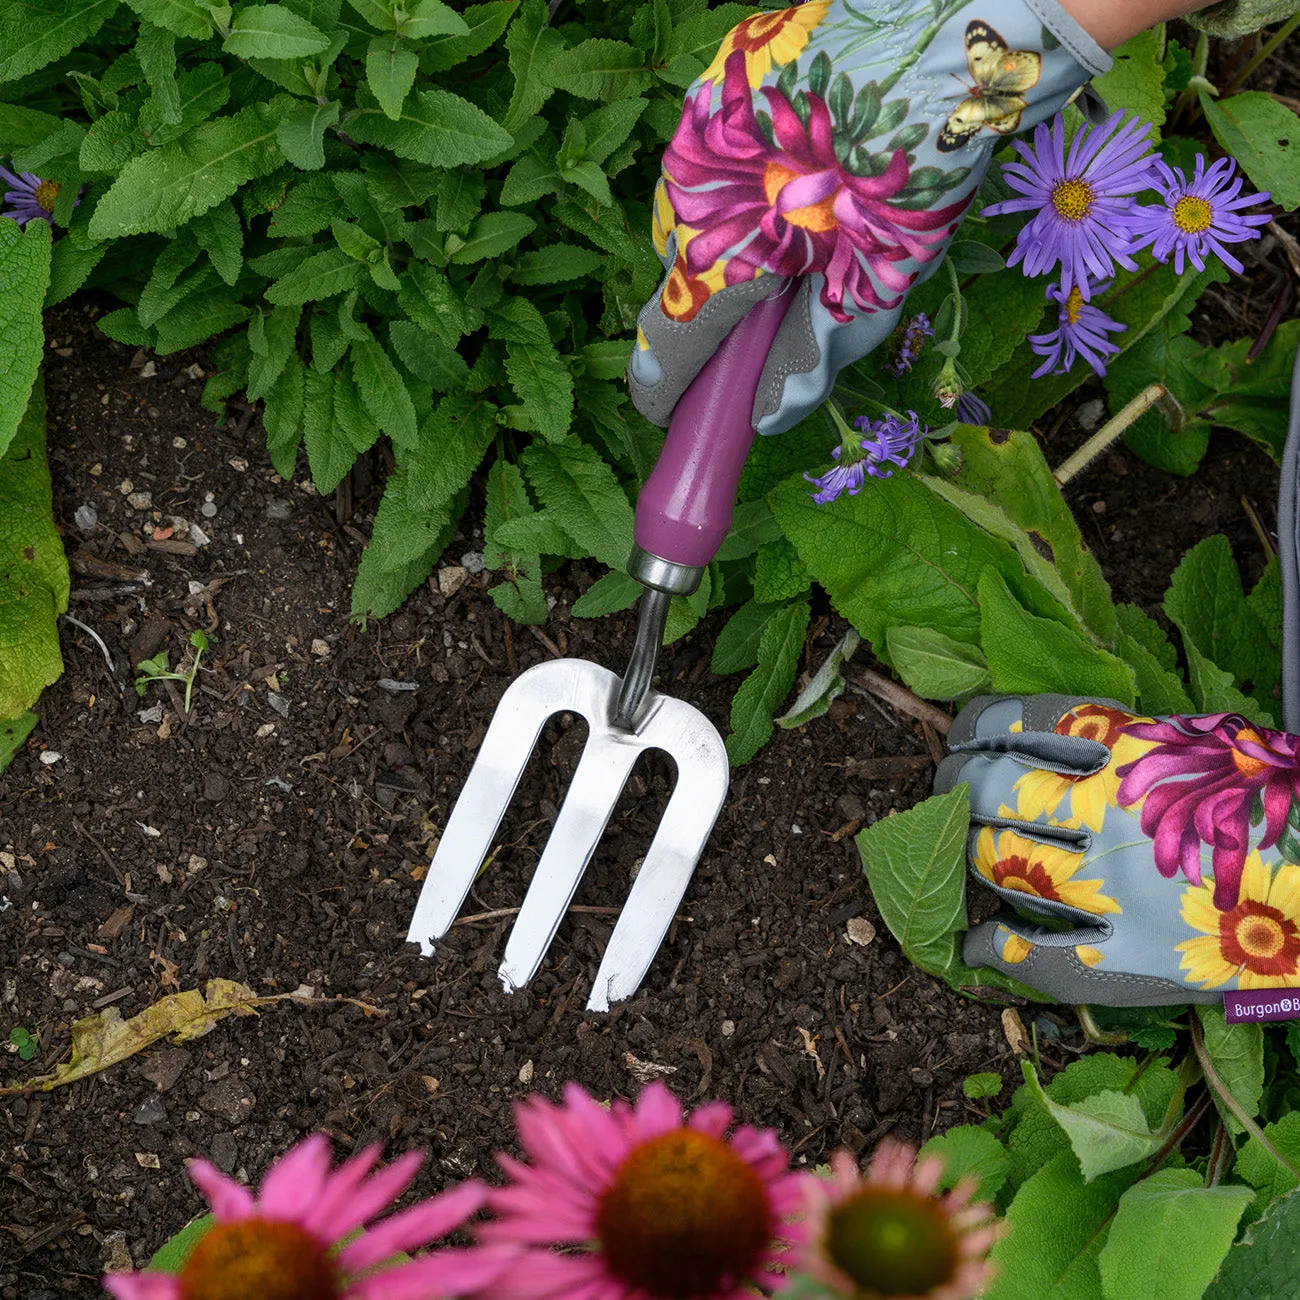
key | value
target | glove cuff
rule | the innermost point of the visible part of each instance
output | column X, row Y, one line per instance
column 1074, row 40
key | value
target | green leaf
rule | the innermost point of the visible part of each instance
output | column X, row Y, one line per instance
column 183, row 17
column 31, row 37
column 330, row 452
column 1258, row 1167
column 427, row 18
column 376, row 13
column 971, row 257
column 24, row 276
column 935, row 666
column 484, row 23
column 545, row 387
column 378, row 591
column 532, row 45
column 1212, row 689
column 301, row 133
column 1169, row 1236
column 282, row 415
column 492, row 234
column 753, row 523
column 272, row 32
column 825, row 686
column 170, row 1257
column 988, row 1083
column 1261, row 135
column 1057, row 1228
column 608, row 595
column 382, row 392
column 1142, row 644
column 390, row 72
column 1029, row 654
column 780, row 647
column 737, row 645
column 608, row 127
column 1205, row 599
column 779, row 572
column 1136, row 80
column 1237, row 1052
column 13, row 736
column 971, row 1152
column 198, row 319
column 580, row 490
column 601, row 69
column 221, row 236
column 435, row 127
column 915, row 863
column 33, row 569
column 155, row 47
column 608, row 360
column 169, row 186
column 321, row 276
column 1265, row 1263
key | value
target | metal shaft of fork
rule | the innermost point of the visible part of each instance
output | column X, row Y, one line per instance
column 635, row 685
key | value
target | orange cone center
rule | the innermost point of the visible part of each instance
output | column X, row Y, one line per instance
column 260, row 1258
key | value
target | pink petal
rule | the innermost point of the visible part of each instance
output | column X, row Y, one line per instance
column 415, row 1228
column 295, row 1181
column 339, row 1189
column 142, row 1286
column 657, row 1111
column 377, row 1193
column 228, row 1199
column 445, row 1273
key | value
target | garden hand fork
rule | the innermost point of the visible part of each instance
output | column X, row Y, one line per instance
column 682, row 516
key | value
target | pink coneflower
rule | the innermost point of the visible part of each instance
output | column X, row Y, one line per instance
column 887, row 1234
column 1198, row 217
column 653, row 1207
column 285, row 1243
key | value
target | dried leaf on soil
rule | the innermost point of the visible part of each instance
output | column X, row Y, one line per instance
column 106, row 1039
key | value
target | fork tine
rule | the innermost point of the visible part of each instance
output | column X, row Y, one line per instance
column 525, row 706
column 593, row 792
column 703, row 775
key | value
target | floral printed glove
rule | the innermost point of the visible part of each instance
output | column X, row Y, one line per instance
column 841, row 141
column 1145, row 861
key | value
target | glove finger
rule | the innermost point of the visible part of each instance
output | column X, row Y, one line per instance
column 1070, row 974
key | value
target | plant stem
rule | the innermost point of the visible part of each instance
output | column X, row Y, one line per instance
column 1109, row 433
column 1094, row 1032
column 1264, row 51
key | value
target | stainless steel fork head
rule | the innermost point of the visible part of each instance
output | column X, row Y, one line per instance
column 673, row 726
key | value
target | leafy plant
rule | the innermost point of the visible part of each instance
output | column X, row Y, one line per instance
column 156, row 669
column 25, row 1042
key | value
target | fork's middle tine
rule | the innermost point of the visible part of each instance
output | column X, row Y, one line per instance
column 601, row 774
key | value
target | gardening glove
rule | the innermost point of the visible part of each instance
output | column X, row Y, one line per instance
column 841, row 142
column 1143, row 861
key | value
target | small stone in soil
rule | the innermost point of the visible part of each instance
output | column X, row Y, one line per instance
column 860, row 931
column 139, row 500
column 473, row 562
column 151, row 1111
column 278, row 510
column 278, row 703
column 223, row 1151
column 228, row 1100
column 86, row 518
column 208, row 509
column 1089, row 414
column 395, row 688
column 198, row 536
column 50, row 756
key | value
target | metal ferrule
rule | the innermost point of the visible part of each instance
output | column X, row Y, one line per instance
column 663, row 575
column 635, row 687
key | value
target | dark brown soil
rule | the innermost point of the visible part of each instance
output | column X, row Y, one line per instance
column 277, row 837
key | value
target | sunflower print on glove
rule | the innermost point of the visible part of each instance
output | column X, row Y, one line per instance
column 1015, row 862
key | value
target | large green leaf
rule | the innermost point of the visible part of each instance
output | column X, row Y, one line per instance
column 1260, row 134
column 780, row 647
column 13, row 735
column 579, row 488
column 24, row 276
column 916, row 866
column 272, row 32
column 33, row 568
column 32, row 36
column 1237, row 1052
column 1264, row 1265
column 435, row 127
column 1136, row 80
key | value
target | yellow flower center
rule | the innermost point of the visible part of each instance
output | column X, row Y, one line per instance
column 1073, row 307
column 1192, row 215
column 1248, row 765
column 816, row 216
column 892, row 1242
column 45, row 194
column 1072, row 199
column 1260, row 937
column 259, row 1258
column 685, row 1216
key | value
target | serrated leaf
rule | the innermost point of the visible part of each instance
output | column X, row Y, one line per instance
column 968, row 1151
column 579, row 488
column 737, row 645
column 169, row 186
column 155, row 47
column 1237, row 1052
column 1142, row 644
column 1136, row 79
column 915, row 863
column 196, row 320
column 1258, row 1166
column 544, row 385
column 532, row 46
column 390, row 72
column 301, row 133
column 1030, row 654
column 935, row 666
column 277, row 335
column 221, row 236
column 282, row 415
column 608, row 595
column 601, row 69
column 330, row 452
column 322, row 275
column 1266, row 1262
column 31, row 38
column 272, row 32
column 1169, row 1236
column 492, row 234
column 382, row 392
column 537, row 534
column 824, row 687
column 24, row 276
column 483, row 22
column 753, row 709
column 435, row 127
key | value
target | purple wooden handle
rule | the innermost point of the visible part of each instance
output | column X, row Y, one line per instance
column 684, row 510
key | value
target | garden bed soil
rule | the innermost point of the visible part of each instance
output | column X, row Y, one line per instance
column 278, row 835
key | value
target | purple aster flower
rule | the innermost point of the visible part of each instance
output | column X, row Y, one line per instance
column 890, row 441
column 1081, row 201
column 1199, row 216
column 973, row 409
column 29, row 197
column 1080, row 332
column 915, row 332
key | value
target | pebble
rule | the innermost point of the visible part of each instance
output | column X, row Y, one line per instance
column 151, row 1111
column 472, row 562
column 320, row 648
column 728, row 1028
column 198, row 536
column 860, row 931
column 278, row 703
column 223, row 1151
column 50, row 756
column 278, row 509
column 153, row 715
column 1090, row 414
column 208, row 509
column 139, row 500
column 86, row 518
column 452, row 579
column 396, row 688
column 228, row 1100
